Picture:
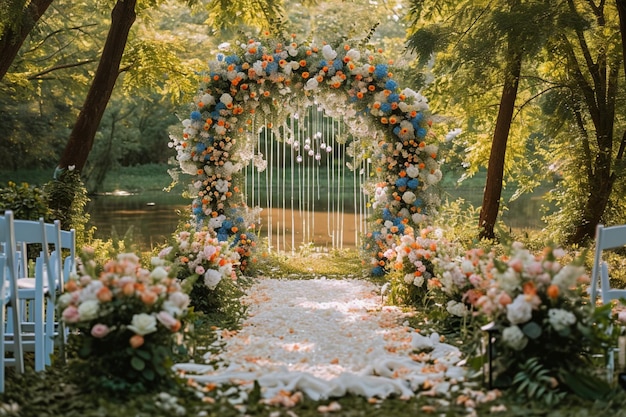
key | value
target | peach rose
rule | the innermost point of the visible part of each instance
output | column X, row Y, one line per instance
column 136, row 341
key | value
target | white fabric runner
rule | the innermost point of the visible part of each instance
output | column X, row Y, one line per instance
column 327, row 338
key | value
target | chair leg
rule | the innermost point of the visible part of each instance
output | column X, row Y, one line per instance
column 40, row 343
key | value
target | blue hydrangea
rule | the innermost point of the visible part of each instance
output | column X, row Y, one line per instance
column 226, row 225
column 381, row 71
column 220, row 57
column 222, row 237
column 338, row 64
column 220, row 106
column 196, row 115
column 402, row 182
column 387, row 214
column 272, row 67
column 418, row 202
column 420, row 132
column 232, row 59
column 197, row 210
column 391, row 85
column 413, row 183
column 378, row 271
column 385, row 108
column 393, row 98
column 396, row 130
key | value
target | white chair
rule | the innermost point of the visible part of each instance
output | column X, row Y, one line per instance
column 37, row 292
column 607, row 239
column 9, row 340
column 68, row 242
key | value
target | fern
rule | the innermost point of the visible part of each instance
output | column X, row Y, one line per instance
column 535, row 383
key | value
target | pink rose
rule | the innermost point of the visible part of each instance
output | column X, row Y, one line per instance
column 622, row 316
column 167, row 320
column 70, row 314
column 100, row 330
column 199, row 270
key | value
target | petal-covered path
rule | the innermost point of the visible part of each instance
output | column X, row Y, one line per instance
column 326, row 338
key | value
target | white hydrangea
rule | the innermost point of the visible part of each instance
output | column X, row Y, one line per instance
column 519, row 311
column 514, row 337
column 560, row 319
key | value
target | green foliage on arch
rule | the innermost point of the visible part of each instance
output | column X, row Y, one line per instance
column 259, row 83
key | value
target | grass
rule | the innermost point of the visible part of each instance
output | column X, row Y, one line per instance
column 55, row 393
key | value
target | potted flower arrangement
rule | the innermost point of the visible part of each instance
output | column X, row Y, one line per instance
column 124, row 321
column 206, row 267
column 547, row 331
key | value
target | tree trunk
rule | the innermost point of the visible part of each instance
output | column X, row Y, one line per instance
column 495, row 169
column 81, row 139
column 10, row 42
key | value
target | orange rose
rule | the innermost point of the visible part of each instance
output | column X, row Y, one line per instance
column 104, row 295
column 553, row 291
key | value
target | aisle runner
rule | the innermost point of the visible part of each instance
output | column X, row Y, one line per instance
column 327, row 338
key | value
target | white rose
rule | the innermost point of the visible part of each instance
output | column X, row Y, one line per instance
column 412, row 171
column 353, row 54
column 226, row 98
column 514, row 337
column 212, row 278
column 456, row 309
column 207, row 100
column 143, row 324
column 409, row 197
column 328, row 52
column 519, row 311
column 159, row 273
column 88, row 310
column 311, row 84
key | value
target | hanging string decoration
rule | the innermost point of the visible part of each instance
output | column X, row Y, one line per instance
column 260, row 84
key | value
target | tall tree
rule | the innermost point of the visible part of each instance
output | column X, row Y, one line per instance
column 478, row 49
column 15, row 27
column 590, row 50
column 495, row 167
column 81, row 139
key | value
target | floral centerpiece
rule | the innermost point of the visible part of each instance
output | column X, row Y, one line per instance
column 124, row 320
column 205, row 265
column 547, row 329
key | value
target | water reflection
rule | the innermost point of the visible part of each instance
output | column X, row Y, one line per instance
column 154, row 218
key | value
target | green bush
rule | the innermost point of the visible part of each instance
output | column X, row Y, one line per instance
column 26, row 202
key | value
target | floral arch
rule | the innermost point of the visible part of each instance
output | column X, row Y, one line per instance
column 257, row 84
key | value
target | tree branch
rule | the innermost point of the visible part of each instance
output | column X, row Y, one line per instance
column 60, row 67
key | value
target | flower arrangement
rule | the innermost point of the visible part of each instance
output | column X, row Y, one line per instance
column 205, row 265
column 256, row 81
column 547, row 329
column 124, row 321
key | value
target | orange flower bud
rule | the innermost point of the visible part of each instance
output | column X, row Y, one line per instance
column 136, row 341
